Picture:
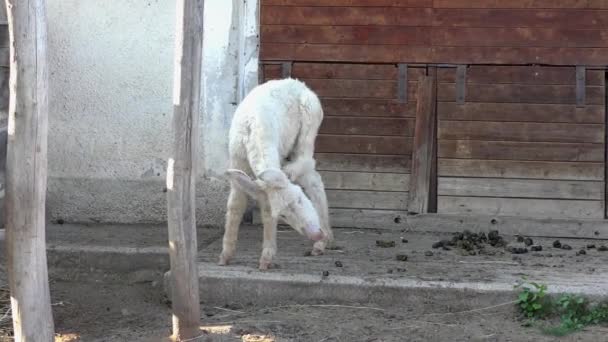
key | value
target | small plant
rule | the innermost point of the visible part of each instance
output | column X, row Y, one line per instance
column 574, row 311
column 532, row 299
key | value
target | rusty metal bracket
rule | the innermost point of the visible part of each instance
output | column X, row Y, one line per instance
column 461, row 83
column 402, row 83
column 581, row 82
column 286, row 69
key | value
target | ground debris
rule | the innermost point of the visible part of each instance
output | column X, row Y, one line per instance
column 385, row 244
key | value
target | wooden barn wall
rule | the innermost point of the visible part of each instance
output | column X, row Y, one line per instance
column 520, row 146
column 364, row 145
column 564, row 32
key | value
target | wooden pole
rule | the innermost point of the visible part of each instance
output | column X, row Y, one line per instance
column 423, row 182
column 181, row 173
column 26, row 172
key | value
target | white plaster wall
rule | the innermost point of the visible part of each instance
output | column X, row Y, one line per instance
column 111, row 68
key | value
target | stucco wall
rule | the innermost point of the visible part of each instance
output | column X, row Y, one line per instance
column 111, row 74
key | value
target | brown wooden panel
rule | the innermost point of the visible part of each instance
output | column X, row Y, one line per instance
column 521, row 169
column 520, row 188
column 373, row 3
column 596, row 4
column 272, row 72
column 518, row 93
column 521, row 131
column 520, row 112
column 378, row 89
column 301, row 15
column 510, row 37
column 348, row 71
column 367, row 199
column 368, row 107
column 501, row 150
column 523, row 74
column 365, row 181
column 475, row 73
column 363, row 144
column 521, row 207
column 513, row 55
column 368, row 126
column 423, row 194
column 370, row 35
column 580, row 19
column 428, row 54
column 351, row 53
column 363, row 162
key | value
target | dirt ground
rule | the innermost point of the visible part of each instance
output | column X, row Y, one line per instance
column 97, row 306
column 119, row 311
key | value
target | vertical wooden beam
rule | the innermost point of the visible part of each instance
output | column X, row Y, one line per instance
column 402, row 83
column 26, row 172
column 181, row 170
column 423, row 187
column 581, row 83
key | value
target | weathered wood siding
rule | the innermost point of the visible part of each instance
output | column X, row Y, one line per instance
column 518, row 145
column 570, row 32
column 365, row 141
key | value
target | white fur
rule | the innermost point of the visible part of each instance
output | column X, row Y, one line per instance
column 272, row 139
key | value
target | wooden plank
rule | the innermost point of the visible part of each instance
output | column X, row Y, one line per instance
column 354, row 71
column 387, row 200
column 522, row 74
column 475, row 73
column 428, row 54
column 520, row 188
column 527, row 4
column 365, row 181
column 367, row 126
column 556, row 36
column 310, row 15
column 424, row 157
column 510, row 225
column 367, row 218
column 520, row 93
column 26, row 173
column 181, row 171
column 350, row 53
column 339, row 3
column 363, row 162
column 492, row 55
column 272, row 72
column 542, row 208
column 368, row 107
column 521, row 112
column 363, row 144
column 342, row 34
column 521, row 131
column 569, row 18
column 501, row 150
column 377, row 89
column 521, row 169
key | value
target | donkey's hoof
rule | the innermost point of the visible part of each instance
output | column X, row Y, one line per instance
column 224, row 260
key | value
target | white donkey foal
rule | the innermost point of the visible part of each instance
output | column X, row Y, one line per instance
column 272, row 137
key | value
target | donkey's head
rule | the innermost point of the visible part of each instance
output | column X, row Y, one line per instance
column 287, row 201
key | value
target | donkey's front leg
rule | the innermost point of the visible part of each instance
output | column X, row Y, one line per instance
column 237, row 203
column 269, row 246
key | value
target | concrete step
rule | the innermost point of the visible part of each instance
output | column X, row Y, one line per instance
column 371, row 274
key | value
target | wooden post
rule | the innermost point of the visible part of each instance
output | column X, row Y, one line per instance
column 26, row 172
column 181, row 172
column 423, row 184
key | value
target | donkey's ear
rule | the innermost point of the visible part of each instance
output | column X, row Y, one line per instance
column 241, row 180
column 274, row 178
